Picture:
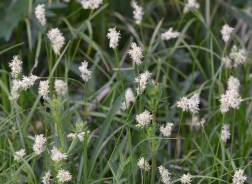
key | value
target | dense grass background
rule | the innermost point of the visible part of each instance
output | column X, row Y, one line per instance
column 188, row 64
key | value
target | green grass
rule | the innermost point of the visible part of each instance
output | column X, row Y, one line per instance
column 180, row 67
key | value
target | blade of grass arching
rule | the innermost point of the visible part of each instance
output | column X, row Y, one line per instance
column 195, row 59
column 28, row 28
column 103, row 133
column 114, row 170
column 69, row 27
column 9, row 48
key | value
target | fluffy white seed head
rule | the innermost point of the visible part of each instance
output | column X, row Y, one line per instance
column 28, row 82
column 233, row 83
column 91, row 4
column 57, row 156
column 143, row 164
column 227, row 62
column 193, row 103
column 136, row 53
column 85, row 72
column 63, row 176
column 129, row 97
column 238, row 56
column 238, row 177
column 231, row 99
column 16, row 67
column 186, row 178
column 79, row 135
column 40, row 13
column 165, row 175
column 44, row 89
column 137, row 12
column 142, row 80
column 57, row 40
column 46, row 178
column 182, row 103
column 226, row 31
column 19, row 154
column 39, row 142
column 170, row 34
column 16, row 85
column 60, row 87
column 113, row 37
column 166, row 130
column 225, row 133
column 143, row 119
column 191, row 4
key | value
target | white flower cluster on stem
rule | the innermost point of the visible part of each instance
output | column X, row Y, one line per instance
column 46, row 178
column 191, row 104
column 136, row 53
column 57, row 156
column 226, row 31
column 129, row 97
column 231, row 99
column 225, row 133
column 238, row 177
column 113, row 37
column 19, row 154
column 143, row 164
column 186, row 178
column 165, row 175
column 39, row 142
column 55, row 36
column 44, row 89
column 63, row 176
column 91, row 4
column 137, row 13
column 143, row 119
column 40, row 13
column 142, row 81
column 60, row 87
column 170, row 34
column 85, row 72
column 166, row 130
column 191, row 4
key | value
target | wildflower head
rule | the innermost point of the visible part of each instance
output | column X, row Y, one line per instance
column 129, row 97
column 186, row 178
column 46, row 178
column 191, row 104
column 85, row 72
column 143, row 119
column 57, row 156
column 182, row 103
column 28, row 82
column 227, row 62
column 166, row 130
column 40, row 13
column 233, row 83
column 143, row 164
column 136, row 53
column 142, row 81
column 238, row 56
column 91, row 4
column 238, row 177
column 113, row 37
column 165, row 175
column 225, row 134
column 55, row 36
column 60, row 87
column 16, row 67
column 170, row 34
column 39, row 142
column 19, row 154
column 226, row 31
column 63, row 176
column 137, row 13
column 44, row 89
column 191, row 4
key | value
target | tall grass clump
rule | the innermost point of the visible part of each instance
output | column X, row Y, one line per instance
column 109, row 91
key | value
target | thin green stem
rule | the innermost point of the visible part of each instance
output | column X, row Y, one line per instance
column 153, row 151
column 231, row 150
